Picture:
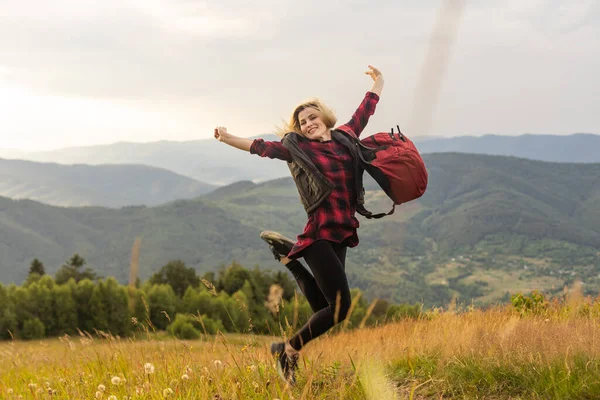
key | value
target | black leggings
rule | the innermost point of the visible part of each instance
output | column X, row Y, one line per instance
column 328, row 281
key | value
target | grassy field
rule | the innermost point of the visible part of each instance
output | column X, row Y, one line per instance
column 492, row 354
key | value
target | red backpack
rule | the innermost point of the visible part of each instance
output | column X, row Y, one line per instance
column 394, row 162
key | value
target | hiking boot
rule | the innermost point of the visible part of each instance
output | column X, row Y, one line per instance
column 286, row 366
column 280, row 245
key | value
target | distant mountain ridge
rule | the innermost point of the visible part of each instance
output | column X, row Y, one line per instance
column 95, row 185
column 486, row 224
column 578, row 148
column 210, row 161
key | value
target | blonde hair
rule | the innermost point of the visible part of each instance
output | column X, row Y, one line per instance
column 293, row 125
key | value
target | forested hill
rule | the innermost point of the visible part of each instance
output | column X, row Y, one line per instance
column 95, row 185
column 486, row 225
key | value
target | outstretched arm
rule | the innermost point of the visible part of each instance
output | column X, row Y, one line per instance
column 360, row 118
column 256, row 146
column 238, row 142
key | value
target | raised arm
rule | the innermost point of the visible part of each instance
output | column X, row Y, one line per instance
column 360, row 118
column 257, row 146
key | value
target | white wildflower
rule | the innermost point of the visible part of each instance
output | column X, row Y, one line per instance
column 149, row 368
column 101, row 388
column 115, row 380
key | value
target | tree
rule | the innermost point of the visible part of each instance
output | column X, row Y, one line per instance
column 162, row 304
column 232, row 279
column 36, row 267
column 40, row 304
column 177, row 275
column 72, row 269
column 117, row 307
column 64, row 309
column 33, row 329
column 82, row 293
column 8, row 319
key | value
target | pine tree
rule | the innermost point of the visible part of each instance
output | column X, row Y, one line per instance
column 72, row 269
column 36, row 267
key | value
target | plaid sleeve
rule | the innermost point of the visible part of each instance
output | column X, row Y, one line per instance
column 359, row 120
column 270, row 149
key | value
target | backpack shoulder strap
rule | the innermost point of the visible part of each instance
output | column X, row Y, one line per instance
column 369, row 215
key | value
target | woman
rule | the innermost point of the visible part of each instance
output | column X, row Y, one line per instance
column 324, row 166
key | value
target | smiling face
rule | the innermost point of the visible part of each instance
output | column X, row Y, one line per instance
column 312, row 125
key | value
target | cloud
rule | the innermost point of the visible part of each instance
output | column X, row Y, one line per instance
column 246, row 64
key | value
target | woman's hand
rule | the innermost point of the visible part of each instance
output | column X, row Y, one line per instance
column 377, row 78
column 374, row 73
column 238, row 142
column 221, row 134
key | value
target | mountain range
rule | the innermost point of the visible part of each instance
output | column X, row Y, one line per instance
column 95, row 185
column 487, row 226
column 218, row 164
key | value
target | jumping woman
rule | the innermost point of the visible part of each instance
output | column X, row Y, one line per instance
column 324, row 166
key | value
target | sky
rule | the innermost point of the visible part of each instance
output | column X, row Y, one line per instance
column 82, row 72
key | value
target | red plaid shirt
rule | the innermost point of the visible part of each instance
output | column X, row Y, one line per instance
column 334, row 219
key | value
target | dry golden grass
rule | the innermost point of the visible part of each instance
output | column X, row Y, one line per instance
column 475, row 354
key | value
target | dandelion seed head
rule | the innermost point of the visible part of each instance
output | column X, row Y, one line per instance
column 112, row 397
column 115, row 380
column 32, row 386
column 149, row 368
column 218, row 363
column 101, row 388
column 185, row 377
column 98, row 394
column 10, row 391
column 167, row 392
